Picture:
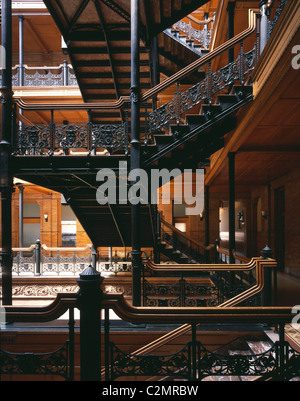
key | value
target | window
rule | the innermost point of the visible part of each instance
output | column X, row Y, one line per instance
column 31, row 224
column 68, row 226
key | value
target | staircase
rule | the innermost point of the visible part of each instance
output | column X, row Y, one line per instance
column 200, row 136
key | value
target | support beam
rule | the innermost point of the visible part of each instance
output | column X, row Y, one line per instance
column 230, row 11
column 231, row 157
column 21, row 208
column 135, row 149
column 21, row 53
column 206, row 211
column 6, row 181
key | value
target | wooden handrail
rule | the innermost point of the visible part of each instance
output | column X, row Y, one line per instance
column 226, row 252
column 204, row 267
column 66, row 249
column 230, row 303
column 174, row 229
column 123, row 100
column 53, row 311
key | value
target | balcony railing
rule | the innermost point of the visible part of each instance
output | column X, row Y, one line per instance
column 24, row 76
column 41, row 260
column 192, row 362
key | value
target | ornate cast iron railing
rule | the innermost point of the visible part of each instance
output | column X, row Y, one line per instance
column 204, row 91
column 192, row 362
column 56, row 363
column 222, row 288
column 272, row 23
column 202, row 37
column 195, row 362
column 62, row 75
column 53, row 363
column 194, row 251
column 40, row 260
column 55, row 139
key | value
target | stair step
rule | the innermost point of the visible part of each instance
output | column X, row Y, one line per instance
column 226, row 101
column 210, row 111
column 194, row 120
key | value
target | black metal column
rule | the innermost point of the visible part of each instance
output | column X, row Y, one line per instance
column 135, row 149
column 6, row 181
column 21, row 51
column 230, row 11
column 206, row 216
column 21, row 208
column 231, row 157
column 89, row 299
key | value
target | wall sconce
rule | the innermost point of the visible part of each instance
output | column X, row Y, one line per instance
column 264, row 214
column 201, row 215
column 46, row 218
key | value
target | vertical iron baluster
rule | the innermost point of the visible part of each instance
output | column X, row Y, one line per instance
column 90, row 139
column 126, row 132
column 194, row 359
column 178, row 98
column 71, row 344
column 65, row 72
column 209, row 84
column 242, row 64
column 106, row 343
column 52, row 133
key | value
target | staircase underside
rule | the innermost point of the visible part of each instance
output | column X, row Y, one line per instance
column 76, row 178
column 98, row 37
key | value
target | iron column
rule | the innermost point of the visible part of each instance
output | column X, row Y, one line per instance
column 231, row 157
column 6, row 182
column 135, row 149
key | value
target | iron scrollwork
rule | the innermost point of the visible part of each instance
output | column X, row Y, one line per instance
column 54, row 363
column 124, row 364
column 46, row 139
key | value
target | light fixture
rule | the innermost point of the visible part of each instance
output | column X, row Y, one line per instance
column 264, row 214
column 46, row 218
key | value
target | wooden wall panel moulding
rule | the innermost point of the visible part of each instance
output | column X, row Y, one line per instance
column 282, row 35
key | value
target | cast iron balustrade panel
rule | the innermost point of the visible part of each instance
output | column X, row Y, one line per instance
column 47, row 139
column 195, row 362
column 205, row 90
column 54, row 363
column 175, row 365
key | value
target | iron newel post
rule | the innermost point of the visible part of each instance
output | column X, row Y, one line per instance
column 6, row 179
column 135, row 150
column 89, row 299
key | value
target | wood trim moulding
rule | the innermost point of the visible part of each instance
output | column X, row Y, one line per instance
column 282, row 35
column 158, row 88
column 270, row 80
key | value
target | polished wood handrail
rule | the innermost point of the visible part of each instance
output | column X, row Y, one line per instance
column 122, row 101
column 48, row 313
column 188, row 238
column 226, row 252
column 166, row 267
column 67, row 249
column 228, row 304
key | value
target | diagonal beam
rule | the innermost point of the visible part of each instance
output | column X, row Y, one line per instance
column 115, row 7
column 99, row 12
column 78, row 12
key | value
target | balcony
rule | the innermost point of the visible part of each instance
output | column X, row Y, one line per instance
column 62, row 75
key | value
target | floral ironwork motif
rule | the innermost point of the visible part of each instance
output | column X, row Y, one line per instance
column 111, row 137
column 124, row 364
column 32, row 139
column 205, row 90
column 46, row 139
column 54, row 363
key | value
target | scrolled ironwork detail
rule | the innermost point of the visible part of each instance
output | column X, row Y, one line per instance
column 124, row 364
column 54, row 363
